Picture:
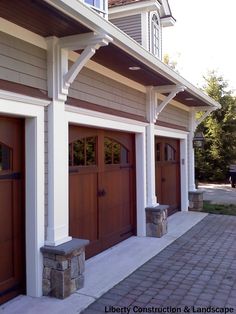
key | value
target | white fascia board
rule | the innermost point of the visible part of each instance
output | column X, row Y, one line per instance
column 133, row 8
column 81, row 13
column 166, row 7
column 167, row 21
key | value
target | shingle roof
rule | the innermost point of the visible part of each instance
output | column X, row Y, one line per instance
column 115, row 3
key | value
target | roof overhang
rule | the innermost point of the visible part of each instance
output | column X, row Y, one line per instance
column 167, row 21
column 69, row 17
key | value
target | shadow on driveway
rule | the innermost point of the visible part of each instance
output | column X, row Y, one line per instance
column 218, row 193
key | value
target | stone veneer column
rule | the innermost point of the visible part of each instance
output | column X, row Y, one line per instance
column 196, row 200
column 63, row 268
column 156, row 221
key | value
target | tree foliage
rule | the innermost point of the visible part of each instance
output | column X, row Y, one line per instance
column 171, row 63
column 219, row 129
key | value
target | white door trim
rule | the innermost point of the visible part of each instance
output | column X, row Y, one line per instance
column 34, row 165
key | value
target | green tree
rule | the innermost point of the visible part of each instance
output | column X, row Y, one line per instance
column 219, row 129
column 171, row 63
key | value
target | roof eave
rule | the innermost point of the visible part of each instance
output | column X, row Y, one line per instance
column 82, row 13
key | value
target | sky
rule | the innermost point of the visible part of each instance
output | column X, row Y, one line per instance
column 202, row 39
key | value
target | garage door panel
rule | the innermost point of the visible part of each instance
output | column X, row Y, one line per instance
column 112, row 199
column 12, row 229
column 167, row 171
column 83, row 206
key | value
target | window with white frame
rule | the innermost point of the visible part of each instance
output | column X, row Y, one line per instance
column 155, row 35
column 99, row 5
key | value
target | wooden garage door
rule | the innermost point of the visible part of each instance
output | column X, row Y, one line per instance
column 168, row 172
column 12, row 274
column 101, row 185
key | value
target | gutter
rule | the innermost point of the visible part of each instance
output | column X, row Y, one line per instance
column 80, row 12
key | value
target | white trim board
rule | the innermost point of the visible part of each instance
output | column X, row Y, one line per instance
column 34, row 165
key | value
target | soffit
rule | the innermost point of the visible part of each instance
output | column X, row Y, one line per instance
column 40, row 18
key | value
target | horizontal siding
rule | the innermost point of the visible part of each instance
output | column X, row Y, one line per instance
column 22, row 63
column 131, row 25
column 100, row 90
column 175, row 116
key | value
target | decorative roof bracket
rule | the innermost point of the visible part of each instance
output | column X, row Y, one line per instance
column 194, row 121
column 207, row 112
column 60, row 77
column 154, row 109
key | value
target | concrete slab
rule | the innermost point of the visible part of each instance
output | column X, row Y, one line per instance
column 111, row 266
column 44, row 305
column 106, row 270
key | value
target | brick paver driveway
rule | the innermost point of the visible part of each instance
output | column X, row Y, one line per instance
column 195, row 274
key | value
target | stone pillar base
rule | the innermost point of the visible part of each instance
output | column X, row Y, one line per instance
column 156, row 221
column 195, row 200
column 63, row 268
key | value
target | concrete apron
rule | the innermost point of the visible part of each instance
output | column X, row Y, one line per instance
column 106, row 269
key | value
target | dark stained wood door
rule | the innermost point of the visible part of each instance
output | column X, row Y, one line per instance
column 12, row 229
column 167, row 156
column 101, row 185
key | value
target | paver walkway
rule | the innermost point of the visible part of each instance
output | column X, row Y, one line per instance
column 197, row 270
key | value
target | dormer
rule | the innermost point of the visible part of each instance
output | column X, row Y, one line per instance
column 142, row 20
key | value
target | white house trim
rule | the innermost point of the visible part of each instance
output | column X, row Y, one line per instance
column 103, row 116
column 183, row 137
column 133, row 8
column 34, row 164
column 24, row 99
column 144, row 29
column 139, row 130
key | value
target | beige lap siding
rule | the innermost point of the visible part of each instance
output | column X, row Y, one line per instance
column 97, row 89
column 175, row 116
column 22, row 63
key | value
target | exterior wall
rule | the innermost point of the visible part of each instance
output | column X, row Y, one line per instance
column 131, row 25
column 23, row 63
column 174, row 115
column 97, row 89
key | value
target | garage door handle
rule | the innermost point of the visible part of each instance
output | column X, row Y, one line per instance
column 101, row 193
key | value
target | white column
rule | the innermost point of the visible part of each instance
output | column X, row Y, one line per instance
column 150, row 158
column 184, row 173
column 34, row 139
column 141, row 183
column 58, row 211
column 191, row 158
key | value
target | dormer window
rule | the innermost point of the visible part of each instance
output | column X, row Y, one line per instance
column 101, row 6
column 155, row 35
